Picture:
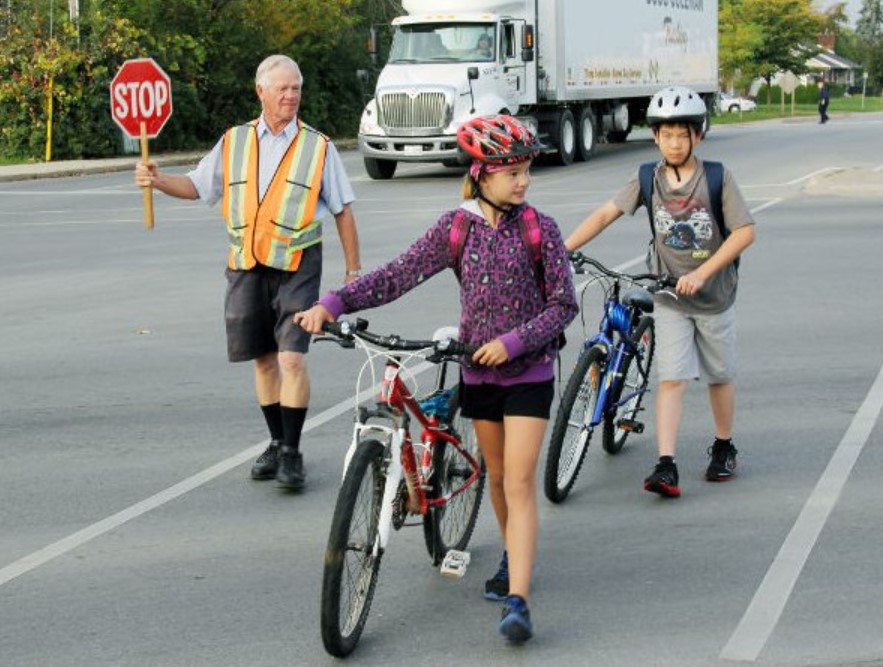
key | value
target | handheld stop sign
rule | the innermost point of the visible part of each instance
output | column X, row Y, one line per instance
column 141, row 103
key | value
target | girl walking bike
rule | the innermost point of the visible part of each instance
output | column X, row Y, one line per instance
column 516, row 298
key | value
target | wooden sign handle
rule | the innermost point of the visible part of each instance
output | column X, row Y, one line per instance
column 148, row 191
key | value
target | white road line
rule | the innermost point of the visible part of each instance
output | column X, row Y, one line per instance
column 765, row 205
column 42, row 556
column 815, row 173
column 762, row 615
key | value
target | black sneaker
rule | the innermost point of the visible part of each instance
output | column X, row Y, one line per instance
column 291, row 470
column 266, row 465
column 497, row 587
column 515, row 624
column 723, row 461
column 664, row 479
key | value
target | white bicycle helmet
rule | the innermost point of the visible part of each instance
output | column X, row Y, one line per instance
column 676, row 105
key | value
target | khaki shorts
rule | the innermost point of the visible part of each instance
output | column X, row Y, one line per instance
column 687, row 345
column 260, row 305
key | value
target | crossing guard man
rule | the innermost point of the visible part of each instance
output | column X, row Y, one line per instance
column 276, row 178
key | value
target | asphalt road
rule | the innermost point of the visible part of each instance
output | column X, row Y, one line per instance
column 130, row 534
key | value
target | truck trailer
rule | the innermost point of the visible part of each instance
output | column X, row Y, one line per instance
column 576, row 71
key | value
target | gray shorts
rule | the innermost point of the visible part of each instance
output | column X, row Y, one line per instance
column 260, row 305
column 687, row 344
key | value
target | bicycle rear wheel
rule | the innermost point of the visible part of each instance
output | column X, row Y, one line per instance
column 450, row 526
column 635, row 382
column 571, row 432
column 350, row 572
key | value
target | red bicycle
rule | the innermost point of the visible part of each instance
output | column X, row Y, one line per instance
column 390, row 476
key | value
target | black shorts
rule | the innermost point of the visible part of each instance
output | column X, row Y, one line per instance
column 260, row 305
column 492, row 402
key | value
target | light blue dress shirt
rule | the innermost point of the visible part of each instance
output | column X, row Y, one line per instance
column 336, row 192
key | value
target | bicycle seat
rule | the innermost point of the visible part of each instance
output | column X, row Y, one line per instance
column 640, row 299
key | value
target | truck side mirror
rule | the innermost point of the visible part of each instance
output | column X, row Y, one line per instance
column 362, row 75
column 527, row 44
column 472, row 73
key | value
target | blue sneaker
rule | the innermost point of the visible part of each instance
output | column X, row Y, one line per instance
column 497, row 587
column 515, row 624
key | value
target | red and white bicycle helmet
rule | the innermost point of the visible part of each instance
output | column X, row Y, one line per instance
column 498, row 140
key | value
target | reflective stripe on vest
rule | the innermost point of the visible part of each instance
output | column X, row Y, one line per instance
column 274, row 231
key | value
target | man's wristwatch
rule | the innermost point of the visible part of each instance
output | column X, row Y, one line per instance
column 353, row 272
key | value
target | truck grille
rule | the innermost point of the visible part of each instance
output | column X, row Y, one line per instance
column 413, row 115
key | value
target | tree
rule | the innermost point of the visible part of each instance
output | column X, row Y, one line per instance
column 775, row 35
column 869, row 38
column 869, row 26
column 209, row 48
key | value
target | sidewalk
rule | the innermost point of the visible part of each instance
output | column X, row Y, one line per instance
column 24, row 172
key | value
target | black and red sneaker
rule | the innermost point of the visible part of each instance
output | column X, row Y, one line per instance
column 664, row 479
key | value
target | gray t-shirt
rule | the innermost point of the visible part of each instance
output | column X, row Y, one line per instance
column 687, row 233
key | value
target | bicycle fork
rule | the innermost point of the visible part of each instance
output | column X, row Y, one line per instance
column 393, row 439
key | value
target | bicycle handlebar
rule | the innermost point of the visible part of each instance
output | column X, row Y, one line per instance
column 579, row 261
column 441, row 349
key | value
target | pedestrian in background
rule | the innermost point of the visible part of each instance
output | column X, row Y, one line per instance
column 824, row 98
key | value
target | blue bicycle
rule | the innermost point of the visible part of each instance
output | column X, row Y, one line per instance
column 611, row 374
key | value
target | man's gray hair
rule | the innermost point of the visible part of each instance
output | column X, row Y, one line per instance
column 272, row 62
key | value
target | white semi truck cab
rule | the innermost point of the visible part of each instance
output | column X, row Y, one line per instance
column 570, row 72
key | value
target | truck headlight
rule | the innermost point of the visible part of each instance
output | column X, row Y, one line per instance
column 368, row 124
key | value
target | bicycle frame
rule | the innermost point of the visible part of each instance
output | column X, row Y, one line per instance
column 615, row 339
column 406, row 459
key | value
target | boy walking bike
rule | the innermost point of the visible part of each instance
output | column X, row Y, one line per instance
column 516, row 298
column 701, row 225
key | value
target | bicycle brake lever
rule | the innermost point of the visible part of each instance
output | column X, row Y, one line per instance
column 343, row 342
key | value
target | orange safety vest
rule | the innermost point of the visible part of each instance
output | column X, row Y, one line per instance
column 273, row 231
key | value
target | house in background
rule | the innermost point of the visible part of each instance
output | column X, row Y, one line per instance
column 824, row 64
column 831, row 68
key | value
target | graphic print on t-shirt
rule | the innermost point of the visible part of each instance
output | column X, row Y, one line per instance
column 685, row 224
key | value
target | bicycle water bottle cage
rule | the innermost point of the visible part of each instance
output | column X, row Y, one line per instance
column 640, row 299
column 619, row 317
column 438, row 404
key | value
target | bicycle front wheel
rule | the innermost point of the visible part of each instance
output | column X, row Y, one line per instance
column 351, row 565
column 449, row 526
column 571, row 432
column 619, row 425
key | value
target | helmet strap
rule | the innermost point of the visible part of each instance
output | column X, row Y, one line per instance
column 492, row 204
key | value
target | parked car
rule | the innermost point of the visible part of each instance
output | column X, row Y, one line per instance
column 727, row 102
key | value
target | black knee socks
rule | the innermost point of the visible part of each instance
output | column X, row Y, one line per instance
column 273, row 415
column 293, row 424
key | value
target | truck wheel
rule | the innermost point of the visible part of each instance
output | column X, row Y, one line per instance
column 380, row 170
column 585, row 144
column 565, row 137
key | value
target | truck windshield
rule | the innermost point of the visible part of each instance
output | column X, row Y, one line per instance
column 444, row 42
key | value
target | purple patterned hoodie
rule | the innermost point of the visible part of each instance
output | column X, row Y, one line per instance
column 499, row 295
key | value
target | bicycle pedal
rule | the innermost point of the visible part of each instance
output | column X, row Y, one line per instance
column 631, row 425
column 455, row 563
